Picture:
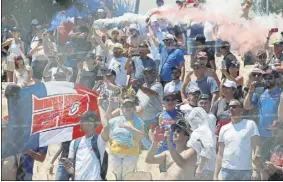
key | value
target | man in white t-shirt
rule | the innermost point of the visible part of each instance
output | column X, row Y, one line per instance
column 117, row 63
column 193, row 93
column 176, row 83
column 238, row 143
column 87, row 165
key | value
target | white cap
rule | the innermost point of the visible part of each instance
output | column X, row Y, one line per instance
column 230, row 84
column 192, row 89
column 34, row 22
column 168, row 36
column 133, row 26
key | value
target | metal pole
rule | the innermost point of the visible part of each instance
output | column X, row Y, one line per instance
column 137, row 7
column 267, row 7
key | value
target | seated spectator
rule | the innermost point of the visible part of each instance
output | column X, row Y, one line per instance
column 179, row 162
column 238, row 143
column 22, row 73
column 206, row 84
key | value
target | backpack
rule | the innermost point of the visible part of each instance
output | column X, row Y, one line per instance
column 104, row 165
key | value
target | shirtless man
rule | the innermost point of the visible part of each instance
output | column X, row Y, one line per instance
column 179, row 163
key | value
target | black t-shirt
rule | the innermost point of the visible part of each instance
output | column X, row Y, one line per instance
column 65, row 149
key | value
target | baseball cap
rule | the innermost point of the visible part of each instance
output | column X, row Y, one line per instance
column 128, row 100
column 110, row 72
column 182, row 125
column 143, row 45
column 150, row 68
column 118, row 45
column 34, row 22
column 202, row 54
column 90, row 116
column 168, row 36
column 204, row 97
column 39, row 27
column 276, row 125
column 280, row 43
column 192, row 89
column 229, row 84
column 234, row 63
column 169, row 94
column 133, row 26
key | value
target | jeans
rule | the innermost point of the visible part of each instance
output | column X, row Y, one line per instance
column 61, row 173
column 235, row 175
column 28, row 176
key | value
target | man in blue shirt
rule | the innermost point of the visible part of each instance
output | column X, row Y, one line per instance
column 267, row 103
column 206, row 84
column 27, row 161
column 170, row 55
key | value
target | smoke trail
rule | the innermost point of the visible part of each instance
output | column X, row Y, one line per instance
column 242, row 33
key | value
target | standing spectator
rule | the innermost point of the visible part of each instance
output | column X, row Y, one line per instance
column 204, row 101
column 191, row 101
column 203, row 140
column 117, row 63
column 221, row 107
column 166, row 118
column 85, row 151
column 150, row 95
column 179, row 162
column 16, row 48
column 228, row 58
column 261, row 61
column 61, row 174
column 272, row 169
column 267, row 103
column 26, row 164
column 238, row 143
column 88, row 71
column 277, row 56
column 137, row 63
column 126, row 132
column 201, row 46
column 134, row 38
column 176, row 83
column 22, row 74
column 39, row 59
column 206, row 84
column 114, row 37
column 170, row 56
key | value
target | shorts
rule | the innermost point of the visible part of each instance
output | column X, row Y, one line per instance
column 38, row 68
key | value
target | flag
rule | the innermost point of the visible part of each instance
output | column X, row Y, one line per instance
column 46, row 114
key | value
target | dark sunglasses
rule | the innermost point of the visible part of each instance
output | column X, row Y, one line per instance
column 175, row 72
column 170, row 100
column 262, row 57
column 128, row 105
column 234, row 106
column 268, row 77
column 256, row 74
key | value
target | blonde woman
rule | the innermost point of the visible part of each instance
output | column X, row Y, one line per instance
column 22, row 74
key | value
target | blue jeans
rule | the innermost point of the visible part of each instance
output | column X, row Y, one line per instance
column 28, row 176
column 235, row 175
column 61, row 173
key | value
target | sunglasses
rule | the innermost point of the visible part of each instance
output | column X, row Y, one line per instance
column 262, row 57
column 256, row 74
column 268, row 77
column 234, row 106
column 128, row 105
column 198, row 67
column 170, row 100
column 175, row 72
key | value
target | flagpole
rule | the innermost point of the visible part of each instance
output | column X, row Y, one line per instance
column 267, row 7
column 137, row 7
